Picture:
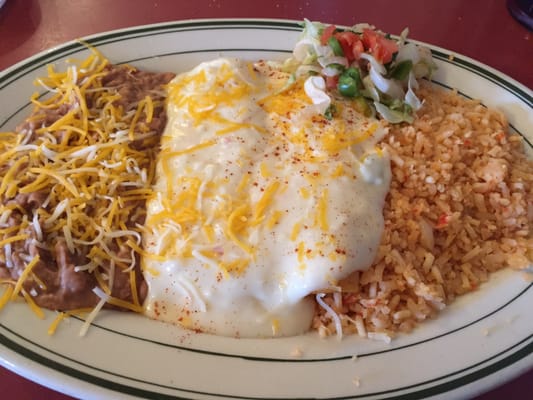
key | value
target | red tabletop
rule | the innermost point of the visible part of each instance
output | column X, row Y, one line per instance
column 481, row 29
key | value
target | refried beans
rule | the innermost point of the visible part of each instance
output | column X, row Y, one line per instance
column 75, row 177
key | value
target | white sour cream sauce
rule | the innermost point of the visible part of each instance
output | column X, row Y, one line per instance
column 261, row 202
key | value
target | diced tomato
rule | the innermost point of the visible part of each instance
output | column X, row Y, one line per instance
column 443, row 221
column 351, row 44
column 326, row 34
column 357, row 49
column 332, row 81
column 370, row 38
column 501, row 137
column 379, row 46
column 349, row 299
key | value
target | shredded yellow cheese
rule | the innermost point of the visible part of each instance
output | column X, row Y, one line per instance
column 189, row 150
column 274, row 219
column 23, row 276
column 93, row 162
column 295, row 231
column 322, row 212
column 235, row 225
column 55, row 323
column 275, row 326
column 301, row 251
column 304, row 192
column 133, row 288
column 265, row 201
column 34, row 307
column 142, row 252
column 9, row 176
column 124, row 304
column 236, row 267
column 6, row 296
column 265, row 172
column 12, row 239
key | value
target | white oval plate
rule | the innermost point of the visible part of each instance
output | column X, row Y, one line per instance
column 480, row 341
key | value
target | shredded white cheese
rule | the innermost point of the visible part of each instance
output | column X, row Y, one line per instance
column 334, row 316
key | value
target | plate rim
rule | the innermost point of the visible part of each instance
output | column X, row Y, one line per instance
column 100, row 38
column 266, row 22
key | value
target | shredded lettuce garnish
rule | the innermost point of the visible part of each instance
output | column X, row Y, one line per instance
column 362, row 63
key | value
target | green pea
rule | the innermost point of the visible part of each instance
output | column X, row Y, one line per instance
column 353, row 73
column 350, row 82
column 347, row 86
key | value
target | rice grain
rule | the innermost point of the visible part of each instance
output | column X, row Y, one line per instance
column 459, row 207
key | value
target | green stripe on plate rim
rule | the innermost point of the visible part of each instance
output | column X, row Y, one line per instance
column 484, row 73
column 144, row 31
column 311, row 360
column 439, row 388
column 462, row 377
column 153, row 30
